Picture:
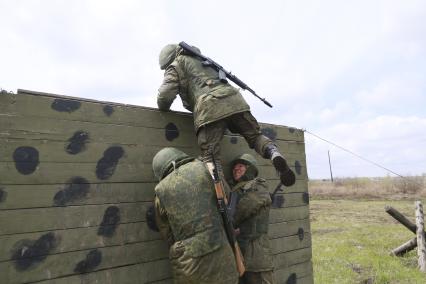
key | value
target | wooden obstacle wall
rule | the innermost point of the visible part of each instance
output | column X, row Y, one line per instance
column 76, row 191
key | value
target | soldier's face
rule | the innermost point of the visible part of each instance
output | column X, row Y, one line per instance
column 238, row 171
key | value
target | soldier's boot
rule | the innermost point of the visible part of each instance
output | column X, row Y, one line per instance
column 287, row 176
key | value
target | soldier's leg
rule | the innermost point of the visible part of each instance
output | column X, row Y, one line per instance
column 246, row 125
column 209, row 137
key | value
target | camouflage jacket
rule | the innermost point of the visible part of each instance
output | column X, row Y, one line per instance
column 252, row 218
column 200, row 90
column 187, row 217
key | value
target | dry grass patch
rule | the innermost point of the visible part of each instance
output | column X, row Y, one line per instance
column 369, row 188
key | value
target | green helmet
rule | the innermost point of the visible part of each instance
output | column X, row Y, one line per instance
column 251, row 164
column 162, row 163
column 167, row 55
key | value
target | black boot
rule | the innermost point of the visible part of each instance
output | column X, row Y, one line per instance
column 287, row 176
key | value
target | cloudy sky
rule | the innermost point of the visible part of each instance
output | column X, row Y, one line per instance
column 352, row 72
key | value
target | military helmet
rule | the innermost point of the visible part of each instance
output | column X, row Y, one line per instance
column 167, row 55
column 163, row 161
column 251, row 164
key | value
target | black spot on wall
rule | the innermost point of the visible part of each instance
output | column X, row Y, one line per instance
column 110, row 221
column 3, row 194
column 301, row 233
column 77, row 143
column 305, row 197
column 298, row 167
column 291, row 129
column 269, row 132
column 76, row 189
column 27, row 253
column 172, row 132
column 26, row 159
column 108, row 110
column 292, row 279
column 93, row 259
column 150, row 218
column 107, row 164
column 63, row 105
column 278, row 201
column 234, row 140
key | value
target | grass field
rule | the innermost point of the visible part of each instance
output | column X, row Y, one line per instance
column 353, row 235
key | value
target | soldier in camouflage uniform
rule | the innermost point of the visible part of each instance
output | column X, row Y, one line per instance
column 252, row 219
column 215, row 105
column 187, row 217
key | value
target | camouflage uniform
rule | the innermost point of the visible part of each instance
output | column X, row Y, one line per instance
column 188, row 219
column 252, row 218
column 216, row 106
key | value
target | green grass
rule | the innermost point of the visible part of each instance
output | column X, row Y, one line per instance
column 352, row 241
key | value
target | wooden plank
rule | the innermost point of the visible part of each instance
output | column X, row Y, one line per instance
column 308, row 279
column 283, row 133
column 293, row 273
column 117, row 256
column 148, row 272
column 302, row 273
column 62, row 130
column 420, row 233
column 41, row 106
column 88, row 238
column 55, row 218
column 88, row 152
column 95, row 111
column 289, row 228
column 234, row 144
column 62, row 172
column 288, row 214
column 70, row 263
column 76, row 239
column 286, row 259
column 301, row 185
column 290, row 243
column 58, row 151
column 49, row 195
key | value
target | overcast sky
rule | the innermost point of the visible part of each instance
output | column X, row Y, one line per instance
column 352, row 72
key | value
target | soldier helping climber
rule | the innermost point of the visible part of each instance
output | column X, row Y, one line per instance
column 251, row 218
column 187, row 217
column 215, row 104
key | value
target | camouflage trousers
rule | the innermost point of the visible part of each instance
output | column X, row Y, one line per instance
column 210, row 135
column 264, row 277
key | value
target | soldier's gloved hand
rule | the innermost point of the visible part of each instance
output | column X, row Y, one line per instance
column 237, row 231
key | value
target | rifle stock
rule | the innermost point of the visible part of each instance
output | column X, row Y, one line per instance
column 222, row 207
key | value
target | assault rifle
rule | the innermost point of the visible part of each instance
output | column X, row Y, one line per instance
column 223, row 74
column 222, row 207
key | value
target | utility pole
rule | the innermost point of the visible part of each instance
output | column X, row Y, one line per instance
column 329, row 163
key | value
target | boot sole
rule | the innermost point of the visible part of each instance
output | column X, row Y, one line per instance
column 287, row 176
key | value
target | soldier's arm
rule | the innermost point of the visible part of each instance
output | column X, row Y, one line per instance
column 162, row 221
column 252, row 202
column 168, row 90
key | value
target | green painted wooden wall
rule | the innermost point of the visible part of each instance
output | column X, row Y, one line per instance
column 76, row 191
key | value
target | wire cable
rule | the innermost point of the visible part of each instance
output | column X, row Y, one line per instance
column 360, row 157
